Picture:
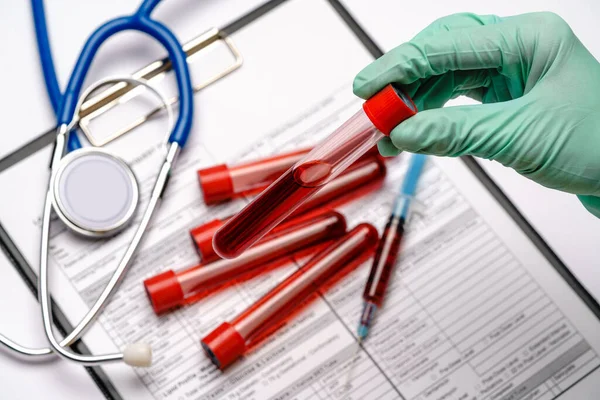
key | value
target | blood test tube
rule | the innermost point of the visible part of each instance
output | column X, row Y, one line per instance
column 389, row 246
column 229, row 341
column 171, row 289
column 222, row 182
column 378, row 116
column 362, row 177
column 202, row 235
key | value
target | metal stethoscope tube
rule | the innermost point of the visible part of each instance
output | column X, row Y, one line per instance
column 66, row 107
column 135, row 354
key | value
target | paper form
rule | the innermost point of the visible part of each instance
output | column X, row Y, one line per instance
column 475, row 312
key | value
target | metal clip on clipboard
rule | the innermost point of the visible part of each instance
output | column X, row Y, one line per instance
column 100, row 103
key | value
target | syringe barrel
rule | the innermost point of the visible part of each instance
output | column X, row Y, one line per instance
column 384, row 261
column 361, row 178
column 379, row 115
column 223, row 182
column 173, row 288
column 228, row 342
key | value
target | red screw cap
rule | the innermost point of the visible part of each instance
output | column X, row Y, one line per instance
column 224, row 345
column 216, row 184
column 164, row 291
column 388, row 107
column 202, row 236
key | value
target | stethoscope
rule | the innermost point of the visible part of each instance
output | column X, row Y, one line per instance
column 94, row 192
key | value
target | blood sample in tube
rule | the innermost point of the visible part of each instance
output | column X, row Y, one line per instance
column 230, row 340
column 223, row 182
column 362, row 177
column 171, row 289
column 379, row 115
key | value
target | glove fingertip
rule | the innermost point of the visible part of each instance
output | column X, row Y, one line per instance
column 591, row 203
column 362, row 86
column 408, row 136
column 387, row 149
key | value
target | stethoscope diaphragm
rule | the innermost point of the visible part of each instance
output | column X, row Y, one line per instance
column 95, row 193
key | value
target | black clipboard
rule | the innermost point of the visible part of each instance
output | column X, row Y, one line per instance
column 46, row 138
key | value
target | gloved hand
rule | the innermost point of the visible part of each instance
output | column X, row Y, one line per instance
column 540, row 89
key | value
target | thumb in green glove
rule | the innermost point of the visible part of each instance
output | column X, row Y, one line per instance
column 540, row 89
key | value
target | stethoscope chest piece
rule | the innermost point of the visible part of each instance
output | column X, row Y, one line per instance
column 95, row 193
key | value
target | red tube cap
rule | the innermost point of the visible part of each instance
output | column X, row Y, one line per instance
column 224, row 345
column 216, row 184
column 388, row 107
column 202, row 236
column 164, row 291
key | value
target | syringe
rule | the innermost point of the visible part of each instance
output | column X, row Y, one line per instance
column 389, row 247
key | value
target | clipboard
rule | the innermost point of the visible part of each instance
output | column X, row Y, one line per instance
column 108, row 99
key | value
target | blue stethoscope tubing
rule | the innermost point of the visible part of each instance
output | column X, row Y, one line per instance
column 65, row 106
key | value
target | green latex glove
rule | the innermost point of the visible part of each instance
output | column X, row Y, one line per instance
column 540, row 89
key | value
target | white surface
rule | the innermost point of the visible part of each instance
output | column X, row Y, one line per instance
column 561, row 220
column 70, row 22
column 21, row 322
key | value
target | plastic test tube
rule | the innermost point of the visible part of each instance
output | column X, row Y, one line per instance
column 359, row 179
column 222, row 182
column 378, row 116
column 171, row 289
column 228, row 341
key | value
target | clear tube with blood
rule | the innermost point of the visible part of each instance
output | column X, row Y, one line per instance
column 361, row 178
column 379, row 115
column 222, row 182
column 171, row 289
column 229, row 341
